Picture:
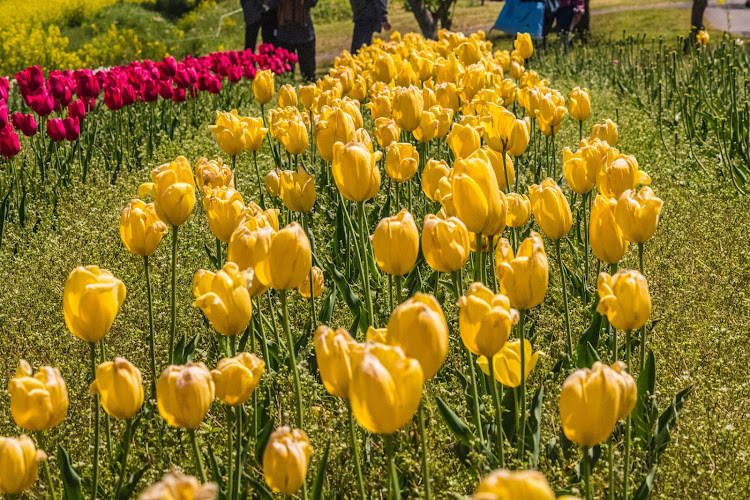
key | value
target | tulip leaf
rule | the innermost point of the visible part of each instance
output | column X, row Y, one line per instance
column 455, row 424
column 414, row 282
column 70, row 478
column 644, row 411
column 509, row 423
column 4, row 212
column 317, row 489
column 260, row 488
column 385, row 209
column 131, row 483
column 262, row 439
column 662, row 432
column 586, row 356
column 591, row 336
column 533, row 425
column 213, row 466
column 644, row 490
column 326, row 311
column 212, row 257
column 185, row 349
column 352, row 301
column 594, row 454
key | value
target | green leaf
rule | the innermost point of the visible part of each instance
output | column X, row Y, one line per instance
column 262, row 440
column 667, row 419
column 351, row 299
column 590, row 336
column 70, row 478
column 213, row 466
column 644, row 411
column 644, row 490
column 326, row 311
column 533, row 425
column 455, row 424
column 586, row 356
column 131, row 483
column 260, row 488
column 320, row 475
column 414, row 282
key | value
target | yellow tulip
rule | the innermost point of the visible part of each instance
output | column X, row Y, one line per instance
column 141, row 230
column 285, row 460
column 254, row 133
column 503, row 484
column 229, row 132
column 396, row 243
column 293, row 135
column 380, row 106
column 401, row 161
column 120, row 388
column 419, row 328
column 551, row 112
column 38, row 402
column 477, row 197
column 702, row 37
column 248, row 245
column 485, row 320
column 173, row 191
column 472, row 81
column 19, row 464
column 307, row 95
column 590, row 404
column 619, row 173
column 469, row 52
column 523, row 276
column 508, row 90
column 434, row 170
column 287, row 96
column 263, row 86
column 213, row 174
column 350, row 107
column 223, row 208
column 355, row 170
column 606, row 130
column 551, row 209
column 298, row 190
column 463, row 140
column 405, row 75
column 507, row 363
column 447, row 95
column 359, row 89
column 273, row 183
column 383, row 68
column 255, row 217
column 444, row 194
column 624, row 299
column 287, row 260
column 519, row 209
column 318, row 284
column 523, row 45
column 637, row 214
column 605, row 236
column 334, row 351
column 428, row 127
column 445, row 243
column 408, row 104
column 448, row 69
column 175, row 486
column 444, row 117
column 236, row 378
column 628, row 389
column 386, row 132
column 580, row 104
column 224, row 298
column 503, row 132
column 91, row 299
column 579, row 173
column 184, row 394
column 530, row 99
column 385, row 389
column 500, row 169
column 516, row 70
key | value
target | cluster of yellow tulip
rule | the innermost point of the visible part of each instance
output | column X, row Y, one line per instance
column 445, row 117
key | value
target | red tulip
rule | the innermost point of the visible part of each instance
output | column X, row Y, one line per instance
column 72, row 128
column 56, row 129
column 9, row 146
column 25, row 123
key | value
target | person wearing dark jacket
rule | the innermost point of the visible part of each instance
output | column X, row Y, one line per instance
column 296, row 33
column 260, row 15
column 370, row 16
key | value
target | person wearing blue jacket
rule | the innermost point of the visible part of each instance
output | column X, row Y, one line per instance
column 370, row 16
column 296, row 33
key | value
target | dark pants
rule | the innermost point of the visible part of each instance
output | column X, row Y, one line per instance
column 306, row 56
column 564, row 20
column 363, row 31
column 696, row 15
column 266, row 25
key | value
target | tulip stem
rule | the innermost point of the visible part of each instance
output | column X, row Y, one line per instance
column 107, row 424
column 395, row 487
column 355, row 451
column 611, row 453
column 45, row 466
column 498, row 412
column 273, row 321
column 237, row 455
column 585, row 202
column 565, row 298
column 365, row 254
column 522, row 440
column 97, row 427
column 260, row 182
column 626, row 464
column 173, row 303
column 230, row 448
column 264, row 347
column 198, row 455
column 219, row 254
column 642, row 358
column 478, row 274
column 292, row 355
column 425, row 464
column 580, row 130
column 398, row 289
column 151, row 339
column 126, row 452
column 234, row 173
column 306, row 227
column 390, row 291
column 586, row 464
column 505, row 171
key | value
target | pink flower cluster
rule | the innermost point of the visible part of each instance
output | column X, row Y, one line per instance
column 140, row 81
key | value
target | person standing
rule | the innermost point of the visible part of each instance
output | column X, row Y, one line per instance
column 260, row 15
column 569, row 12
column 296, row 33
column 370, row 16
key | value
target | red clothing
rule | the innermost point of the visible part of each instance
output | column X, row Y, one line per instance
column 576, row 4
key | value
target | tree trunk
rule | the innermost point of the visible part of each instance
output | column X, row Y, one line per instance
column 427, row 22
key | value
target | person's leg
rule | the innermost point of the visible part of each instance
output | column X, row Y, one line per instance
column 362, row 34
column 696, row 14
column 251, row 26
column 306, row 55
column 268, row 22
column 564, row 20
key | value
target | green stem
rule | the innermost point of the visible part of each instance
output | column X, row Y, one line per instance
column 505, row 171
column 198, row 455
column 128, row 439
column 390, row 291
column 498, row 413
column 642, row 358
column 586, row 243
column 364, row 268
column 173, row 303
column 565, row 298
column 355, row 451
column 45, row 467
column 97, row 427
column 219, row 253
column 260, row 181
column 107, row 423
column 626, row 464
column 611, row 453
column 264, row 348
column 292, row 356
column 151, row 337
column 587, row 473
column 395, row 487
column 522, row 424
column 237, row 455
column 425, row 464
column 313, row 324
column 234, row 172
column 398, row 290
column 230, row 448
column 478, row 271
column 273, row 321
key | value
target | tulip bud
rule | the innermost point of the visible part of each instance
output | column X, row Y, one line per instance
column 175, row 486
column 285, row 460
column 19, row 464
column 184, row 394
column 524, row 276
column 401, row 161
column 408, row 104
column 637, row 214
column 606, row 130
column 248, row 245
column 624, row 299
column 38, row 402
column 386, row 132
column 428, row 127
column 293, row 136
column 485, row 320
column 380, row 106
column 463, row 140
column 519, row 209
column 523, row 45
column 91, row 299
column 287, row 96
column 236, row 378
column 263, row 86
column 396, row 243
column 590, row 404
column 141, row 230
column 580, row 104
column 334, row 350
column 578, row 172
column 355, row 170
column 287, row 260
column 273, row 183
column 120, row 388
column 223, row 208
column 318, row 284
column 224, row 299
column 173, row 191
column 507, row 363
column 477, row 197
column 502, row 168
column 298, row 190
column 383, row 68
column 419, row 328
column 447, row 95
column 254, row 133
column 229, row 132
column 618, row 174
column 434, row 170
column 605, row 236
column 385, row 389
column 551, row 209
column 519, row 484
column 213, row 174
column 445, row 243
